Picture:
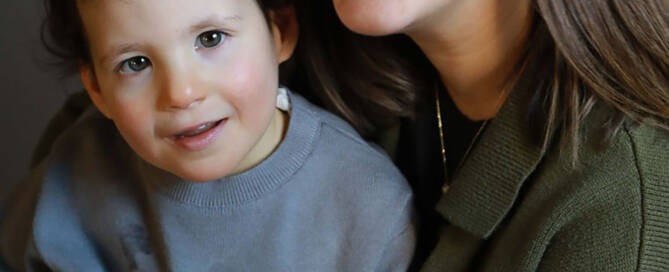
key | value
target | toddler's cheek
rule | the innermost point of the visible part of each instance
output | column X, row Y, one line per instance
column 137, row 130
column 253, row 91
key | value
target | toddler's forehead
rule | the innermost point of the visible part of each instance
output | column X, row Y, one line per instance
column 120, row 16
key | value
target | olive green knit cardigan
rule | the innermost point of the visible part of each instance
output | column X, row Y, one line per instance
column 513, row 207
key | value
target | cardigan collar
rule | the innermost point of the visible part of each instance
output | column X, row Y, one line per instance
column 487, row 185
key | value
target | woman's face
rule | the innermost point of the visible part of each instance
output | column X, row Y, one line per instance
column 383, row 17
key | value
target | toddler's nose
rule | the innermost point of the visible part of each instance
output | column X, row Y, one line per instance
column 185, row 98
column 181, row 93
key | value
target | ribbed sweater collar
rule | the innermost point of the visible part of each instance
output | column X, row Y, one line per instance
column 253, row 184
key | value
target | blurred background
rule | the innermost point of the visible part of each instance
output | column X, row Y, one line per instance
column 31, row 91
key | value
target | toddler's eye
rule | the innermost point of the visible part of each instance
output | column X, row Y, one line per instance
column 209, row 39
column 134, row 64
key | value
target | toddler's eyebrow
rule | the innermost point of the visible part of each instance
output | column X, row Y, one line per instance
column 119, row 50
column 214, row 20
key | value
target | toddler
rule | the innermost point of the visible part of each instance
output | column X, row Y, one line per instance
column 193, row 159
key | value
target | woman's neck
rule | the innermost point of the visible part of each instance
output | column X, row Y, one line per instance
column 475, row 45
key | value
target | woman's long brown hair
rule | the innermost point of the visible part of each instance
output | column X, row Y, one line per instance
column 614, row 53
column 368, row 81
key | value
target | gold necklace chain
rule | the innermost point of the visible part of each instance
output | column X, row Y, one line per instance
column 445, row 186
column 510, row 84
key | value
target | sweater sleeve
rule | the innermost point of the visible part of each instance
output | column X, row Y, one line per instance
column 400, row 249
column 598, row 232
column 623, row 226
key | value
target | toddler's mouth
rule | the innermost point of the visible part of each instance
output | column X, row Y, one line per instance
column 198, row 130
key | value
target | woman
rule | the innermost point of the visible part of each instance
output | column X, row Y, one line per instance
column 539, row 133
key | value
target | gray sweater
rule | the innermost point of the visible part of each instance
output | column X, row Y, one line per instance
column 325, row 200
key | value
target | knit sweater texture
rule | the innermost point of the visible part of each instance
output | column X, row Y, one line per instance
column 325, row 200
column 515, row 207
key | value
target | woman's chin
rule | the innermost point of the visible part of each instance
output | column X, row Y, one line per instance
column 371, row 19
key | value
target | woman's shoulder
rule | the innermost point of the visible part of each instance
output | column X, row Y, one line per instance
column 651, row 150
column 636, row 160
column 650, row 147
column 633, row 165
column 613, row 204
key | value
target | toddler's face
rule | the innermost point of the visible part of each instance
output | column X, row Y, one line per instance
column 191, row 85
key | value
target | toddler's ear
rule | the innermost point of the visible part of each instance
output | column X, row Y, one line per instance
column 285, row 31
column 92, row 88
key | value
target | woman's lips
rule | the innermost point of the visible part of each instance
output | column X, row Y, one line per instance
column 200, row 136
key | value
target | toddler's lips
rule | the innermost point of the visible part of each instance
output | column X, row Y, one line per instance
column 197, row 130
column 200, row 136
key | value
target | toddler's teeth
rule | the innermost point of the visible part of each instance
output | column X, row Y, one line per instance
column 199, row 130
